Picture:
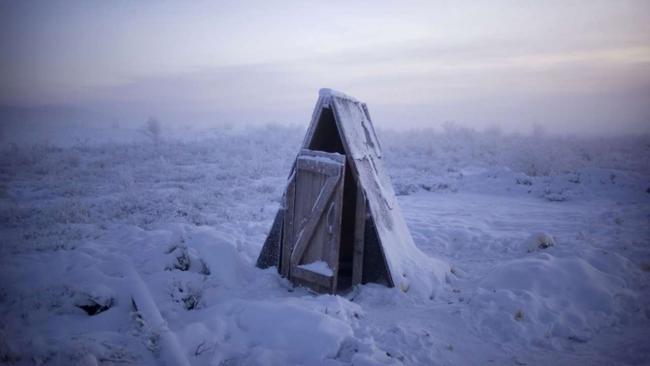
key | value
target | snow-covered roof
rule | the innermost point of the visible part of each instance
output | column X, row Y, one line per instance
column 327, row 93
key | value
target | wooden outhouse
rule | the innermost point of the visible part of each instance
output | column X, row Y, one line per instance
column 339, row 224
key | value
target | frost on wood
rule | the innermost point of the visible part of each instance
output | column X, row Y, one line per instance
column 342, row 125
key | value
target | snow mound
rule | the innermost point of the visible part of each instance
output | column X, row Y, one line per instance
column 95, row 299
column 282, row 331
column 226, row 263
column 547, row 300
column 539, row 241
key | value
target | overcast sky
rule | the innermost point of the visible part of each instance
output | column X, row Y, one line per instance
column 568, row 66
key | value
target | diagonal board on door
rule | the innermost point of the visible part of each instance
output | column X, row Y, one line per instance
column 313, row 220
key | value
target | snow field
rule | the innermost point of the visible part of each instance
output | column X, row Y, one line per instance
column 192, row 211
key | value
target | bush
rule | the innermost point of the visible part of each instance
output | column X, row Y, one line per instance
column 153, row 130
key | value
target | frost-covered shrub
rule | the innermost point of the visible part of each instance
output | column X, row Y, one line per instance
column 437, row 152
column 153, row 129
column 197, row 182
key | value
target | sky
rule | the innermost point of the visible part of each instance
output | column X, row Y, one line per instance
column 565, row 66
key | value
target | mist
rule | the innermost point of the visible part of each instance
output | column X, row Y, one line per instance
column 567, row 67
column 169, row 195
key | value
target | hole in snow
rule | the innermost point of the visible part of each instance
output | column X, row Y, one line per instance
column 93, row 308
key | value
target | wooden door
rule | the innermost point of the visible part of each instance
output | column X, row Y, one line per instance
column 312, row 223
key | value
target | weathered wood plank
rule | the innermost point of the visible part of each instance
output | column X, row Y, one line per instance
column 312, row 277
column 318, row 245
column 359, row 230
column 334, row 222
column 311, row 185
column 316, row 166
column 303, row 203
column 287, row 237
column 331, row 156
column 313, row 218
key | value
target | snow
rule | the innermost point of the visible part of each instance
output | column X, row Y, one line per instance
column 328, row 93
column 563, row 299
column 324, row 159
column 539, row 241
column 149, row 316
column 318, row 267
column 192, row 211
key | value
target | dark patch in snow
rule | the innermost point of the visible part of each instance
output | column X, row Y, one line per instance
column 187, row 295
column 577, row 339
column 519, row 315
column 182, row 261
column 93, row 308
column 524, row 181
column 191, row 301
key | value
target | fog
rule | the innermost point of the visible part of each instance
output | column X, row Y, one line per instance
column 567, row 67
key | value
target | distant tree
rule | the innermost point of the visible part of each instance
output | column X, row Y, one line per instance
column 153, row 129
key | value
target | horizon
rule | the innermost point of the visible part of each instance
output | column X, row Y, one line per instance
column 569, row 68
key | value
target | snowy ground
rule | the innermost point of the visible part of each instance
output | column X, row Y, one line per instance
column 191, row 213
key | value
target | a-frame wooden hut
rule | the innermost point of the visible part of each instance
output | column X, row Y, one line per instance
column 339, row 224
